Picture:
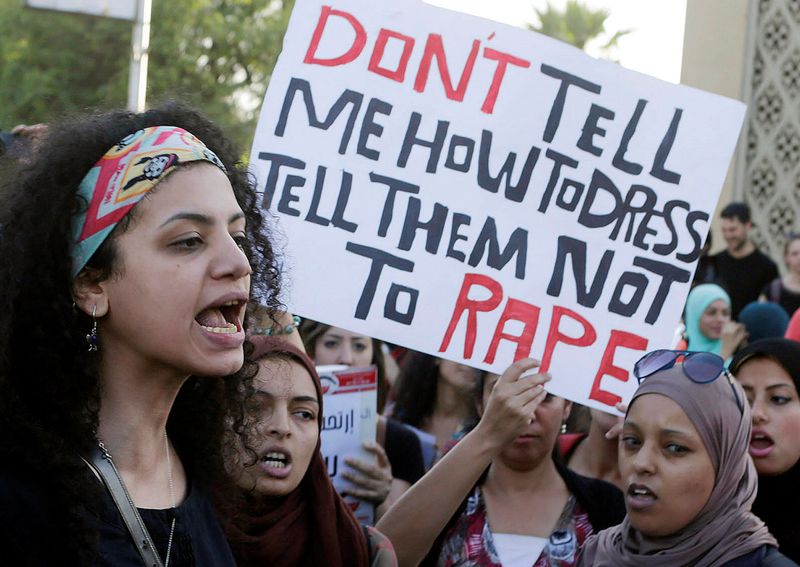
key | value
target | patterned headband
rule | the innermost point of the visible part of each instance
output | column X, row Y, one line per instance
column 123, row 176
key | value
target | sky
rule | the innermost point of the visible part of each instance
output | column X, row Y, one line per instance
column 654, row 45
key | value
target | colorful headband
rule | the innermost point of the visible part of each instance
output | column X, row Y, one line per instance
column 123, row 176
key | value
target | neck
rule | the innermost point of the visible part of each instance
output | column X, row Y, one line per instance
column 540, row 478
column 597, row 457
column 135, row 402
column 451, row 402
column 792, row 280
column 744, row 250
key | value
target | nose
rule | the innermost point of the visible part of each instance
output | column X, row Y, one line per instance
column 643, row 460
column 758, row 413
column 231, row 261
column 278, row 424
column 346, row 354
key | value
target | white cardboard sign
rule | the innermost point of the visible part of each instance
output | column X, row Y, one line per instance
column 484, row 193
column 349, row 419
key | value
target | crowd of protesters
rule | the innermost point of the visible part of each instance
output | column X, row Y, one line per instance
column 152, row 411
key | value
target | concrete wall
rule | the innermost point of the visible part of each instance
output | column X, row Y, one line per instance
column 715, row 59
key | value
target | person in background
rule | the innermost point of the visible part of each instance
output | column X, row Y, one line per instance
column 688, row 482
column 21, row 140
column 708, row 322
column 435, row 396
column 793, row 329
column 593, row 454
column 785, row 291
column 763, row 320
column 769, row 371
column 398, row 453
column 742, row 269
column 498, row 497
column 287, row 511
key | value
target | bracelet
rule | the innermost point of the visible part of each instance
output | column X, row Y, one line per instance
column 271, row 331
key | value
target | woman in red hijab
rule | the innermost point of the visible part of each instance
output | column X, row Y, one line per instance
column 288, row 512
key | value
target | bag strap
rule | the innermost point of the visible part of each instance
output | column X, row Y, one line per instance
column 102, row 466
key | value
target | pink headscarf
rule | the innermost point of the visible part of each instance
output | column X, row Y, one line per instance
column 793, row 330
column 725, row 528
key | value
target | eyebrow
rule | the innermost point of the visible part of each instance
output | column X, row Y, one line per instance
column 661, row 431
column 675, row 432
column 749, row 388
column 313, row 399
column 341, row 337
column 199, row 218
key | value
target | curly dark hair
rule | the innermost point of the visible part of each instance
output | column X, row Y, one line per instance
column 49, row 385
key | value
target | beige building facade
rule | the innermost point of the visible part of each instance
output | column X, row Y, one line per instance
column 750, row 50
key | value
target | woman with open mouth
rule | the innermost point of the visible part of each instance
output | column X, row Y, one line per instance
column 130, row 243
column 287, row 511
column 769, row 371
column 689, row 484
column 498, row 498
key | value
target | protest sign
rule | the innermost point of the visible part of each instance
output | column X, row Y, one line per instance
column 349, row 418
column 485, row 193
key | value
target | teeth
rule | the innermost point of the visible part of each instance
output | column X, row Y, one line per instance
column 228, row 330
column 229, row 303
column 275, row 460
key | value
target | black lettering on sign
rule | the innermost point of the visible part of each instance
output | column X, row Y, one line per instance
column 576, row 250
column 348, row 97
column 277, row 161
column 411, row 139
column 379, row 259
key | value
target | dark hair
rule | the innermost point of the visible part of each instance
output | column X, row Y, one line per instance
column 790, row 237
column 416, row 387
column 736, row 210
column 49, row 385
column 310, row 331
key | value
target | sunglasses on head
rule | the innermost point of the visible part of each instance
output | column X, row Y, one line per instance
column 699, row 367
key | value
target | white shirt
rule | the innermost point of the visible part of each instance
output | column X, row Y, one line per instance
column 518, row 550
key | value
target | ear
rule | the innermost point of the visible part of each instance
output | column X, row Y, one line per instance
column 90, row 295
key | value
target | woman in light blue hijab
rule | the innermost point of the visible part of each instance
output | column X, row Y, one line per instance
column 708, row 322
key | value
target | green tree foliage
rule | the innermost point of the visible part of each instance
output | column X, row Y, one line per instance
column 577, row 24
column 215, row 54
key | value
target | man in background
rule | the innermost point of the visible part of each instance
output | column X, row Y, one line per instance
column 742, row 269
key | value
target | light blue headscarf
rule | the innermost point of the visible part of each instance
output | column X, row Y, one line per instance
column 698, row 301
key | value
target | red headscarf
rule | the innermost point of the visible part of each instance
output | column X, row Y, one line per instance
column 312, row 525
